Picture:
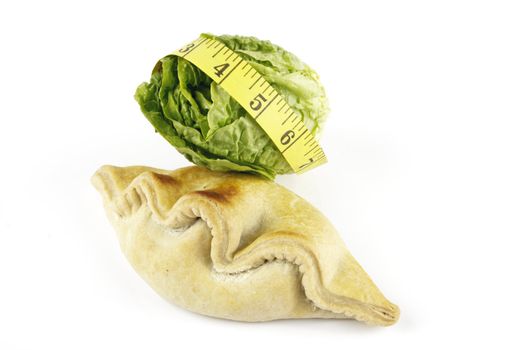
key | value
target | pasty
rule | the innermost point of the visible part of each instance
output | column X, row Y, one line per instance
column 236, row 246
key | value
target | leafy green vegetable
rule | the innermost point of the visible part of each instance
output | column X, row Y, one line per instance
column 204, row 123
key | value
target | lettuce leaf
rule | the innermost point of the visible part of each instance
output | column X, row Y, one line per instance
column 204, row 123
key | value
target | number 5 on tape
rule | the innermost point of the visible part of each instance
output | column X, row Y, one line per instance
column 284, row 127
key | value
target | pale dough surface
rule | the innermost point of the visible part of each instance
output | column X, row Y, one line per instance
column 236, row 246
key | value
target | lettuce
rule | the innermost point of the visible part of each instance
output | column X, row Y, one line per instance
column 204, row 123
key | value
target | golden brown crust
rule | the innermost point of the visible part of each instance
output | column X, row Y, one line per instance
column 222, row 195
column 236, row 246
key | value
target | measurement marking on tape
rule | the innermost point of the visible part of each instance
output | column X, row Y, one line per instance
column 265, row 107
column 216, row 53
column 248, row 71
column 230, row 55
column 255, row 82
column 190, row 47
column 230, row 72
column 317, row 152
column 294, row 141
column 284, row 121
column 311, row 150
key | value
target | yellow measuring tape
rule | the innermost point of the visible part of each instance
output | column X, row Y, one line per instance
column 235, row 75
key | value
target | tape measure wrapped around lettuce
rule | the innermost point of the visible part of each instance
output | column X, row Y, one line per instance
column 204, row 123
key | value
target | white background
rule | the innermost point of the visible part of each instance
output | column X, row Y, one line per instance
column 425, row 179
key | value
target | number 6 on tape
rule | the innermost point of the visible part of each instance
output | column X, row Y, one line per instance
column 284, row 127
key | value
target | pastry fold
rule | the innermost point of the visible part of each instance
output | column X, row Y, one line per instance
column 236, row 246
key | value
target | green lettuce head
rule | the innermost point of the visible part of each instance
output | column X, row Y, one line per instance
column 204, row 123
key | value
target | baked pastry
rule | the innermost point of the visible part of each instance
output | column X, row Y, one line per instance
column 236, row 246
